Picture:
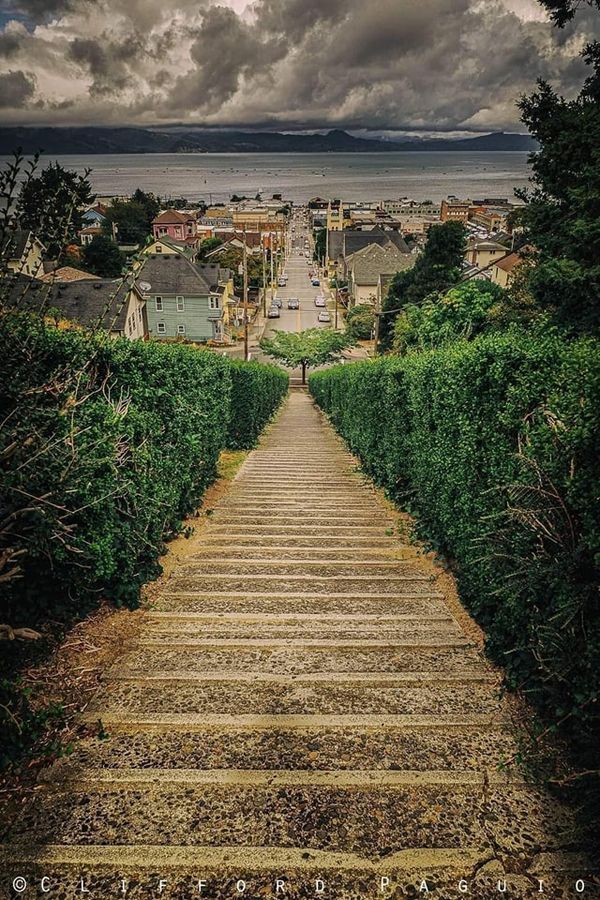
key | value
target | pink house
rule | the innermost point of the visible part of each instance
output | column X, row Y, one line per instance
column 175, row 225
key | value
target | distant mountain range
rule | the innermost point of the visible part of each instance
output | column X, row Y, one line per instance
column 88, row 140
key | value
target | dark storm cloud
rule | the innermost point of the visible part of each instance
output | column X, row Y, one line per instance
column 225, row 49
column 407, row 64
column 109, row 63
column 10, row 44
column 16, row 89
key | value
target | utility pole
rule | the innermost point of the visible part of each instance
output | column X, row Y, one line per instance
column 271, row 242
column 245, row 299
column 336, row 304
column 264, row 278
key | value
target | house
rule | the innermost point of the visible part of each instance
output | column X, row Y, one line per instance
column 22, row 253
column 482, row 253
column 109, row 304
column 87, row 234
column 67, row 273
column 503, row 270
column 365, row 267
column 175, row 225
column 455, row 210
column 341, row 244
column 169, row 246
column 95, row 215
column 183, row 299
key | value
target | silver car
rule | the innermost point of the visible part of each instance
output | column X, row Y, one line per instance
column 324, row 316
column 320, row 301
column 273, row 313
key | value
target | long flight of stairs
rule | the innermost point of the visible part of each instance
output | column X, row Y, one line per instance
column 301, row 717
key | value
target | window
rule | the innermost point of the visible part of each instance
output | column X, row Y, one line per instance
column 181, row 329
column 213, row 303
column 159, row 304
column 161, row 328
column 140, row 313
column 159, row 248
column 180, row 304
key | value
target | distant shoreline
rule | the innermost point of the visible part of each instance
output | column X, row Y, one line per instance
column 109, row 141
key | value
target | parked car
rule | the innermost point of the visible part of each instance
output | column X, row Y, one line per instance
column 273, row 313
column 320, row 301
column 315, row 282
column 293, row 303
column 281, row 282
column 324, row 316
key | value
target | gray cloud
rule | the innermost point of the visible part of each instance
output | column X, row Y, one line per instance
column 439, row 64
column 16, row 89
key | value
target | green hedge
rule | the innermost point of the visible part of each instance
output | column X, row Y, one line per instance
column 494, row 444
column 114, row 442
column 256, row 393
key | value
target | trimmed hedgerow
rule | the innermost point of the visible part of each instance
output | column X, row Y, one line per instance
column 494, row 444
column 107, row 444
column 257, row 391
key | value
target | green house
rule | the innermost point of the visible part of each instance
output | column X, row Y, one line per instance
column 183, row 299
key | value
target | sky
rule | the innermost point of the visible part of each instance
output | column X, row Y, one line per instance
column 384, row 66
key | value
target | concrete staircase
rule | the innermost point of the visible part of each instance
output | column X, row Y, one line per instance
column 302, row 709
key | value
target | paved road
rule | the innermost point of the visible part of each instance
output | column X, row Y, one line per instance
column 299, row 703
column 297, row 269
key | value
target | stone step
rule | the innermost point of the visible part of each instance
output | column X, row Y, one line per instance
column 276, row 555
column 391, row 585
column 445, row 662
column 301, row 529
column 354, row 543
column 438, row 628
column 369, row 821
column 406, row 603
column 226, row 698
column 300, row 517
column 323, row 506
column 100, row 779
column 397, row 749
column 303, row 567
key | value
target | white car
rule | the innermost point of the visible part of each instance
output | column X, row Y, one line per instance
column 324, row 316
column 320, row 301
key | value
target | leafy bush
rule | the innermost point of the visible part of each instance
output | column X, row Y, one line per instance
column 465, row 311
column 256, row 393
column 493, row 443
column 107, row 445
column 360, row 322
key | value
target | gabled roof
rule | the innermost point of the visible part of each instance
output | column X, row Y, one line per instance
column 172, row 274
column 68, row 273
column 344, row 243
column 368, row 264
column 16, row 242
column 93, row 303
column 171, row 217
column 509, row 262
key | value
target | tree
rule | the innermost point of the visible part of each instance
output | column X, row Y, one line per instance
column 435, row 270
column 562, row 11
column 102, row 257
column 49, row 205
column 463, row 312
column 207, row 245
column 232, row 258
column 562, row 217
column 360, row 321
column 307, row 349
column 320, row 244
column 132, row 218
